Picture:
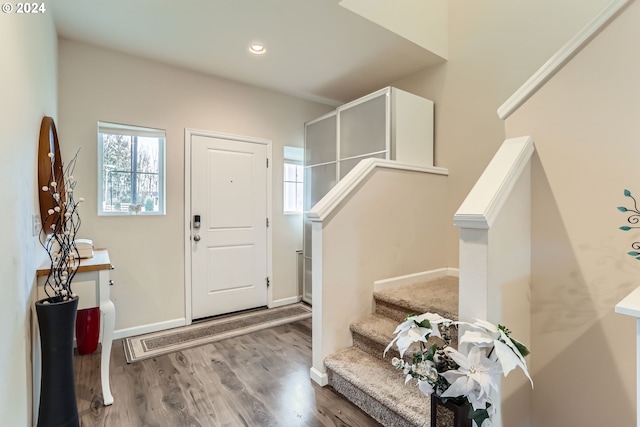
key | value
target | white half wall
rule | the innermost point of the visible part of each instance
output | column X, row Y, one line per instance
column 391, row 225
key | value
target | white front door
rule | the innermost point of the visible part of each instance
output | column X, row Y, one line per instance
column 229, row 250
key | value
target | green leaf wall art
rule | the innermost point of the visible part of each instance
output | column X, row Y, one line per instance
column 634, row 220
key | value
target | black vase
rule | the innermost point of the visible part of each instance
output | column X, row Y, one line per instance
column 57, row 386
column 450, row 413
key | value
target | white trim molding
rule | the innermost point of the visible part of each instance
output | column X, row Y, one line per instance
column 322, row 379
column 408, row 279
column 482, row 205
column 147, row 329
column 284, row 301
column 560, row 58
column 346, row 185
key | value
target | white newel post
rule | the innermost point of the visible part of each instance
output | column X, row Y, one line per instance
column 318, row 371
column 495, row 259
column 631, row 307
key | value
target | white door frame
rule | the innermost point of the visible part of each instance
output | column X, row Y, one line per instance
column 188, row 133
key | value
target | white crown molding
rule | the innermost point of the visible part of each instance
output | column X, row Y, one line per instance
column 321, row 210
column 483, row 203
column 560, row 58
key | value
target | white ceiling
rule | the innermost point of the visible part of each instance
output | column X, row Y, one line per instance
column 316, row 49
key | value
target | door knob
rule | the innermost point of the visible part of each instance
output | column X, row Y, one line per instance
column 196, row 237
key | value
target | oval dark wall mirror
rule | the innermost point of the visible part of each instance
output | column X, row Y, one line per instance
column 49, row 169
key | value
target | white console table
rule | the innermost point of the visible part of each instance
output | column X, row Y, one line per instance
column 630, row 306
column 91, row 283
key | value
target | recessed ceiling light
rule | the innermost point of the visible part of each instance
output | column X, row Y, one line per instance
column 257, row 48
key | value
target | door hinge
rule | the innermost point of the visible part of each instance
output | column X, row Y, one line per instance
column 268, row 281
column 267, row 222
column 267, row 162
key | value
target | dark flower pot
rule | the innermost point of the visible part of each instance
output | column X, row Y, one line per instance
column 58, row 406
column 450, row 413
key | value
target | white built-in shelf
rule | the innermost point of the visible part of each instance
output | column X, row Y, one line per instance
column 630, row 305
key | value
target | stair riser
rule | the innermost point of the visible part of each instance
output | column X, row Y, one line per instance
column 399, row 314
column 392, row 311
column 376, row 349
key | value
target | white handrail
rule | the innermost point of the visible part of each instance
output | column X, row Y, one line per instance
column 560, row 58
column 483, row 203
column 321, row 210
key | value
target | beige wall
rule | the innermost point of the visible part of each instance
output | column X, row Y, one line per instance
column 585, row 126
column 387, row 229
column 28, row 74
column 494, row 46
column 99, row 84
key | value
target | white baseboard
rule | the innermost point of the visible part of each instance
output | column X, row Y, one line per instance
column 408, row 279
column 455, row 272
column 322, row 379
column 284, row 301
column 146, row 329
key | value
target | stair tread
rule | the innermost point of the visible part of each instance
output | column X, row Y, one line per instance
column 375, row 326
column 437, row 296
column 379, row 379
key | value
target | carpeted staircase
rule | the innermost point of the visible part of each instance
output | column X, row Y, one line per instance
column 362, row 375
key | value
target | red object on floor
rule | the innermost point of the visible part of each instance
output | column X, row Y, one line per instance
column 87, row 329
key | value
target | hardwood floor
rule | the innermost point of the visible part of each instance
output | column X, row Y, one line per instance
column 260, row 379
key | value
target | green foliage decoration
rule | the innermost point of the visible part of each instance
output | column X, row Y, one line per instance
column 634, row 220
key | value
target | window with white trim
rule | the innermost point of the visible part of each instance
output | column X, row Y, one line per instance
column 293, row 174
column 131, row 170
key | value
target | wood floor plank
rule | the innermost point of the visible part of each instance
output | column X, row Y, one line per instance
column 259, row 379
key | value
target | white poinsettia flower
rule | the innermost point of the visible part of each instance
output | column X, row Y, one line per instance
column 434, row 319
column 408, row 336
column 474, row 379
column 509, row 357
column 410, row 331
column 506, row 352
